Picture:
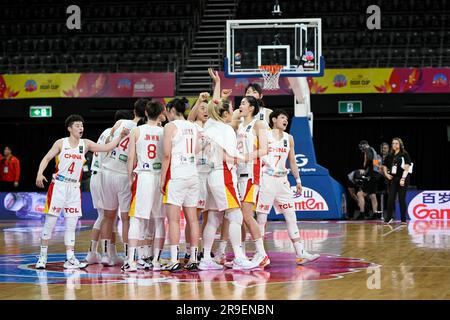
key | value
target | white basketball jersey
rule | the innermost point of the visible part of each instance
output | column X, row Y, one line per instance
column 201, row 158
column 261, row 115
column 70, row 161
column 274, row 163
column 182, row 163
column 247, row 142
column 149, row 148
column 117, row 159
column 98, row 157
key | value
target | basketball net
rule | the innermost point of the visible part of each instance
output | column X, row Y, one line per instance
column 271, row 76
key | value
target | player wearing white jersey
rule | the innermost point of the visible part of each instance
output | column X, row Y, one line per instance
column 96, row 193
column 179, row 181
column 222, row 186
column 252, row 144
column 144, row 168
column 275, row 188
column 199, row 115
column 64, row 194
column 116, row 187
column 255, row 90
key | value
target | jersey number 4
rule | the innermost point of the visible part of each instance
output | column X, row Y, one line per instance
column 71, row 167
column 124, row 144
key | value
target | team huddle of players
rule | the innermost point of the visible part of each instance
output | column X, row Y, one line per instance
column 217, row 163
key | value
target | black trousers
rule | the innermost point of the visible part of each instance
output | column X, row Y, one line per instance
column 394, row 189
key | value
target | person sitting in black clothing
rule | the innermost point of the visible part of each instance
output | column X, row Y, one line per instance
column 397, row 169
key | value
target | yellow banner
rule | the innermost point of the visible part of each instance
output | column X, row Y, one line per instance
column 336, row 81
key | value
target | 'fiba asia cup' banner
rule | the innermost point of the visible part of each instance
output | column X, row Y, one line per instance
column 87, row 85
column 353, row 81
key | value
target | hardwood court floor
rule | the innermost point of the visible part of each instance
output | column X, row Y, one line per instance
column 360, row 260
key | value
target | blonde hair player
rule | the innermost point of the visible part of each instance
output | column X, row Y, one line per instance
column 93, row 256
column 275, row 189
column 199, row 116
column 179, row 183
column 222, row 187
column 64, row 194
column 116, row 188
column 252, row 145
column 144, row 168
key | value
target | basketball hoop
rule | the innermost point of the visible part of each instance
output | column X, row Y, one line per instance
column 271, row 75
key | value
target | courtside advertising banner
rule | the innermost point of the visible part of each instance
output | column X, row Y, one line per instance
column 430, row 205
column 87, row 85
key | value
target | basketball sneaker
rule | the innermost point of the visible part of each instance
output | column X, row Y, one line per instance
column 41, row 263
column 116, row 260
column 172, row 266
column 93, row 257
column 106, row 260
column 209, row 264
column 142, row 264
column 306, row 257
column 243, row 264
column 129, row 267
column 73, row 263
column 191, row 266
column 187, row 257
column 261, row 260
column 221, row 258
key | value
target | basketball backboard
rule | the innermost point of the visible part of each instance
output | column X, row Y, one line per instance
column 296, row 44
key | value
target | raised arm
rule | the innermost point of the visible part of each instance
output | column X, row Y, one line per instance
column 53, row 152
column 194, row 111
column 216, row 79
column 169, row 131
column 293, row 165
column 95, row 147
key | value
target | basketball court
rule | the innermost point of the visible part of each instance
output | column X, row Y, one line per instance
column 359, row 260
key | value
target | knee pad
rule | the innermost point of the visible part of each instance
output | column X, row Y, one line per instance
column 214, row 219
column 49, row 225
column 99, row 220
column 69, row 234
column 291, row 224
column 135, row 228
column 235, row 216
column 160, row 231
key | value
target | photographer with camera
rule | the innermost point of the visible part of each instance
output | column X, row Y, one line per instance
column 358, row 189
column 371, row 174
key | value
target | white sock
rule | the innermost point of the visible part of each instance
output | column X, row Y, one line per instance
column 188, row 248
column 94, row 246
column 194, row 252
column 141, row 252
column 70, row 254
column 259, row 245
column 238, row 253
column 243, row 248
column 112, row 250
column 222, row 246
column 147, row 251
column 173, row 253
column 299, row 248
column 44, row 250
column 132, row 253
column 105, row 245
column 156, row 254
